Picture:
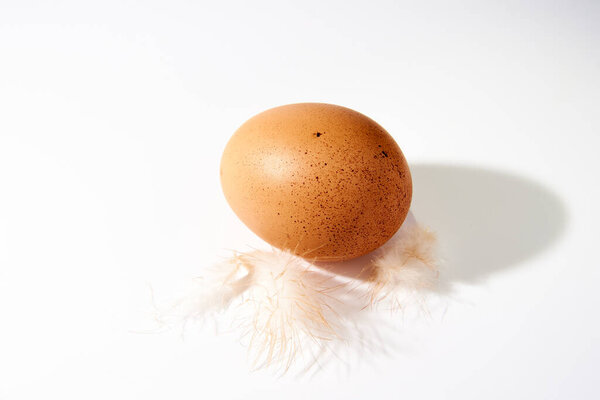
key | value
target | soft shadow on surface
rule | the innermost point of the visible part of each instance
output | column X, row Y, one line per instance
column 486, row 220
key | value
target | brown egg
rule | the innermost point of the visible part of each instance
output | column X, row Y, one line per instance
column 323, row 181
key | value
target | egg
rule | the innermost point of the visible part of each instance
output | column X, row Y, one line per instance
column 320, row 180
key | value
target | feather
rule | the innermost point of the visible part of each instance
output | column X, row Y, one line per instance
column 405, row 268
column 286, row 308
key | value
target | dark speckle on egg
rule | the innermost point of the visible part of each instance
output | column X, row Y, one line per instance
column 323, row 181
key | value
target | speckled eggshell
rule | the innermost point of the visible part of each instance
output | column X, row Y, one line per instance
column 323, row 181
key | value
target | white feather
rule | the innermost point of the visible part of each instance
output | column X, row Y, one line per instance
column 405, row 268
column 286, row 308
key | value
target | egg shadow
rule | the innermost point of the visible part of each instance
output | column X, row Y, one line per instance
column 487, row 220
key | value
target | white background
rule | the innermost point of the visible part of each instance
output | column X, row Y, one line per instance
column 113, row 117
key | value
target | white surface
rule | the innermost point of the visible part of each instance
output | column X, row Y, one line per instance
column 113, row 117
